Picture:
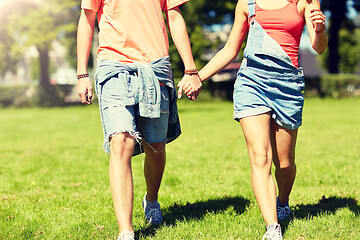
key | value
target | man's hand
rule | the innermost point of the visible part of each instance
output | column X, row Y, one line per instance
column 85, row 90
column 190, row 85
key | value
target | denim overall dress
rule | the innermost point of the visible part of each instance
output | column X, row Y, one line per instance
column 267, row 80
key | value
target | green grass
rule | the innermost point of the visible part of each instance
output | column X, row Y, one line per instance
column 54, row 176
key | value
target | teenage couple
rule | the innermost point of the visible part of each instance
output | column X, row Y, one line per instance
column 137, row 96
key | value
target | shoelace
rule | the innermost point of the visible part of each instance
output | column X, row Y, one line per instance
column 153, row 215
column 283, row 211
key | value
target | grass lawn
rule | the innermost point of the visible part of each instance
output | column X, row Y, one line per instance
column 54, row 176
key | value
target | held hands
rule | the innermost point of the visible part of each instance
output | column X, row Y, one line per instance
column 190, row 84
column 84, row 90
column 318, row 20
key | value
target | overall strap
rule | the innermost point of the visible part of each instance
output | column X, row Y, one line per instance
column 251, row 8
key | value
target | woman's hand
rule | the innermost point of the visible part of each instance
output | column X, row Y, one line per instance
column 317, row 19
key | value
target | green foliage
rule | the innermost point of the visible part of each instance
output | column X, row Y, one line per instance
column 200, row 15
column 29, row 95
column 17, row 96
column 340, row 85
column 54, row 176
column 26, row 23
column 35, row 68
column 55, row 95
column 338, row 20
column 70, row 42
column 39, row 24
column 349, row 50
column 7, row 58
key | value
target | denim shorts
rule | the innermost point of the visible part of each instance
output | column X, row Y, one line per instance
column 258, row 90
column 116, row 117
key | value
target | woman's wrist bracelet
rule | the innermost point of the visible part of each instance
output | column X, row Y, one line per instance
column 80, row 76
column 191, row 72
column 317, row 31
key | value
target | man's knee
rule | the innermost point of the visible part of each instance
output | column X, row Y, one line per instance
column 122, row 142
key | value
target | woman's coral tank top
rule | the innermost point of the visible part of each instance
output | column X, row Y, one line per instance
column 285, row 26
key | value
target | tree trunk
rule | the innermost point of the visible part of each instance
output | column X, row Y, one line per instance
column 337, row 9
column 44, row 67
column 47, row 93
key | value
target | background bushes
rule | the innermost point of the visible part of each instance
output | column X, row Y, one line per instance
column 328, row 85
column 340, row 85
column 27, row 95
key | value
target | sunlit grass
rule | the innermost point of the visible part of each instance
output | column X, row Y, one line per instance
column 54, row 176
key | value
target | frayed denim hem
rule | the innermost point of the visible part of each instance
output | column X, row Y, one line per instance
column 136, row 135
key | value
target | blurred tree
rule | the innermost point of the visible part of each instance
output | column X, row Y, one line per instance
column 349, row 50
column 338, row 20
column 8, row 59
column 38, row 24
column 201, row 15
column 41, row 21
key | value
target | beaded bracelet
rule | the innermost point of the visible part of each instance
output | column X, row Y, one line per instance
column 317, row 31
column 80, row 76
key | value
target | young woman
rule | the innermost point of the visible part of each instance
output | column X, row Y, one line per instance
column 268, row 93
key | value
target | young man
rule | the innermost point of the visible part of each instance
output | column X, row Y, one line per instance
column 134, row 85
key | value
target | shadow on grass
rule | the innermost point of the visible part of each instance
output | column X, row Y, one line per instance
column 324, row 206
column 197, row 210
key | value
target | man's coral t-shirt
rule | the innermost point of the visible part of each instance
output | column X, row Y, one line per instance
column 132, row 30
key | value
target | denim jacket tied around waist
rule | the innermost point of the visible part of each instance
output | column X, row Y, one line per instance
column 149, row 75
column 147, row 83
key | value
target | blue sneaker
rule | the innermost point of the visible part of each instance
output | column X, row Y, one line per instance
column 283, row 210
column 152, row 211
